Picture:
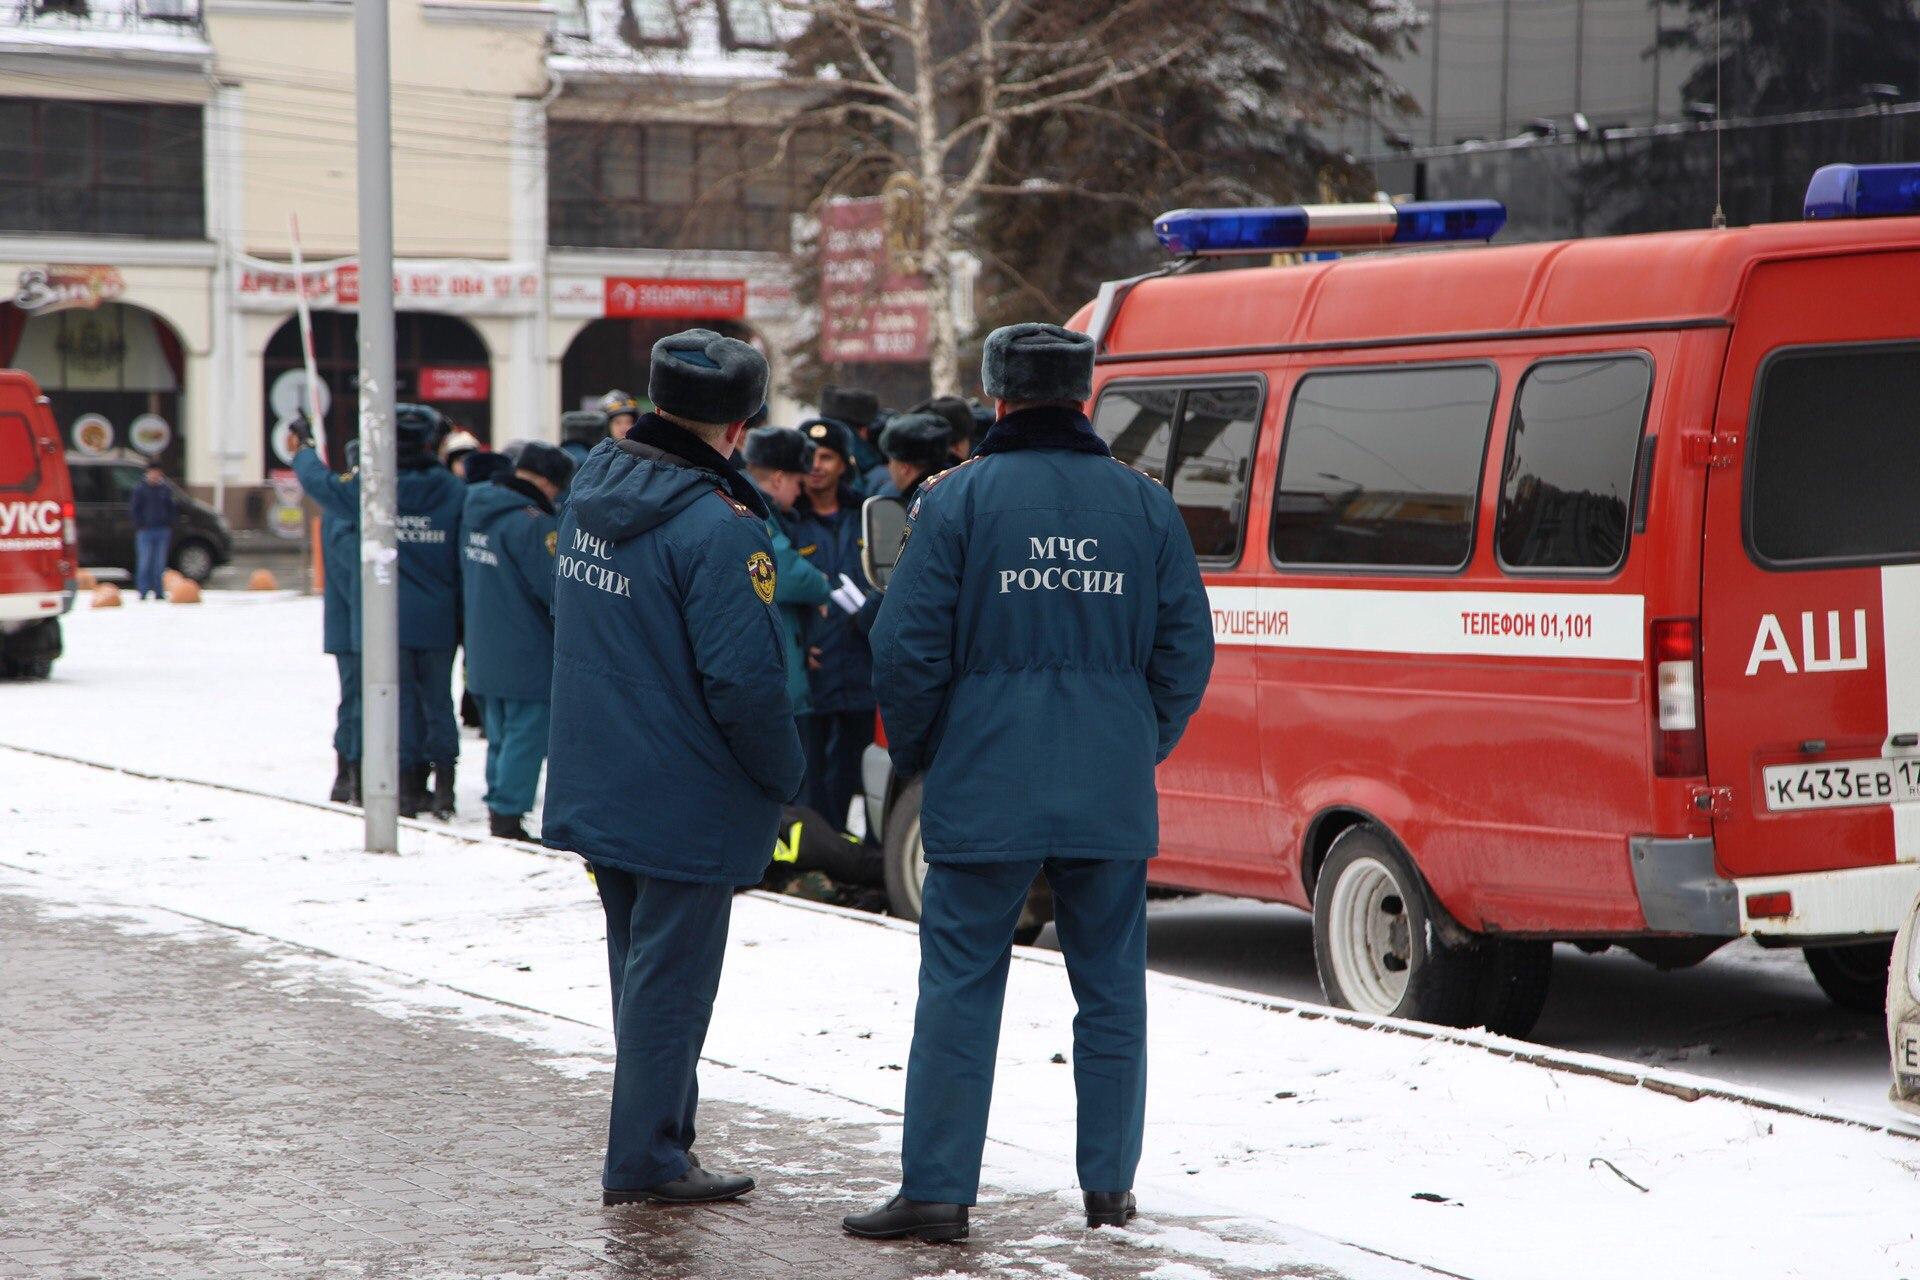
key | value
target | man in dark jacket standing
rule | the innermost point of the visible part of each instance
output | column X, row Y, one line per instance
column 512, row 539
column 152, row 507
column 918, row 446
column 340, row 636
column 672, row 745
column 1042, row 644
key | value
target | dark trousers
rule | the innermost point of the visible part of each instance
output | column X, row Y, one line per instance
column 834, row 742
column 968, row 914
column 665, row 942
column 516, row 748
column 429, row 733
column 150, row 559
column 346, row 720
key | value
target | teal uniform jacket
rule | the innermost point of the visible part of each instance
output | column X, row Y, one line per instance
column 799, row 589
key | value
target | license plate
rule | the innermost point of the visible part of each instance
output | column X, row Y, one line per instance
column 1906, row 1055
column 1834, row 784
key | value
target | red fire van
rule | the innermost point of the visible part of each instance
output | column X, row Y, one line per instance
column 1561, row 592
column 37, row 551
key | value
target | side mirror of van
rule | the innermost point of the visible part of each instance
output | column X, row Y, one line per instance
column 882, row 521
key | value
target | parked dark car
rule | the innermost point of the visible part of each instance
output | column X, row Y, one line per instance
column 201, row 540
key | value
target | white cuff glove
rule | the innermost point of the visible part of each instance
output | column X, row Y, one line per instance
column 848, row 595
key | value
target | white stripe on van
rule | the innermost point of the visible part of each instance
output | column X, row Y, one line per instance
column 1900, row 641
column 1506, row 624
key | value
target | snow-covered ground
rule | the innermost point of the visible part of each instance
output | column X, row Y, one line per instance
column 1438, row 1150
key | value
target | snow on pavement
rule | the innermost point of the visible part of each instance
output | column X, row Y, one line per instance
column 1420, row 1148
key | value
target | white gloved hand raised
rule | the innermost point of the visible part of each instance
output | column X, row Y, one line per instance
column 848, row 595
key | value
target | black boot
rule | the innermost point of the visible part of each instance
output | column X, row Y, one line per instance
column 695, row 1186
column 443, row 792
column 901, row 1217
column 353, row 782
column 507, row 826
column 342, row 792
column 413, row 791
column 1110, row 1208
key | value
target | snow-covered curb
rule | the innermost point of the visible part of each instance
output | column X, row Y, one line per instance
column 1394, row 1137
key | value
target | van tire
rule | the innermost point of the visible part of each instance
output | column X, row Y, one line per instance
column 1374, row 919
column 1514, row 976
column 905, row 865
column 1854, row 976
column 194, row 557
column 28, row 654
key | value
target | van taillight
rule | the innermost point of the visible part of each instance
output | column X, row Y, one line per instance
column 1679, row 745
column 67, row 530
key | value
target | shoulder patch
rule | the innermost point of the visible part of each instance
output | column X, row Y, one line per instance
column 553, row 541
column 760, row 573
column 739, row 508
column 1129, row 466
column 933, row 480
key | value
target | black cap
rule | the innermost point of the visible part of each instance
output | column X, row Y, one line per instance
column 850, row 405
column 484, row 465
column 778, row 449
column 548, row 461
column 954, row 410
column 702, row 377
column 825, row 433
column 1025, row 362
column 417, row 430
column 919, row 440
column 583, row 426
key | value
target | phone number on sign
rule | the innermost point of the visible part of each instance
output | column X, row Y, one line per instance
column 1553, row 626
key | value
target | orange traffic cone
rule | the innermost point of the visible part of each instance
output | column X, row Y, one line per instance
column 263, row 580
column 184, row 590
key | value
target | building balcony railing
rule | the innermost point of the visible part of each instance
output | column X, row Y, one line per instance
column 90, row 17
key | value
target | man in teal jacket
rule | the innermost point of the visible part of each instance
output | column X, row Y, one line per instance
column 778, row 459
column 1042, row 643
column 512, row 535
column 672, row 746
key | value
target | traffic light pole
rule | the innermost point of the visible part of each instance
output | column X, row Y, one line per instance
column 379, row 561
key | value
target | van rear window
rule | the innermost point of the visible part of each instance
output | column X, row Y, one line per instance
column 1834, row 457
column 19, row 459
column 1382, row 467
column 1137, row 424
column 1570, row 458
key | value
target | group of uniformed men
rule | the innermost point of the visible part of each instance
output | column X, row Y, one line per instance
column 702, row 563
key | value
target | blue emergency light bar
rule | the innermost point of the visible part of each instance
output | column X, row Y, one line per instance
column 1864, row 191
column 1217, row 232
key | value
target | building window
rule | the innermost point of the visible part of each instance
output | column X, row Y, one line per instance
column 652, row 24
column 1570, row 460
column 677, row 186
column 1832, row 463
column 747, row 24
column 1381, row 467
column 101, row 168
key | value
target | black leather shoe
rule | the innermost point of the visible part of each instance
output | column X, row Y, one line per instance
column 695, row 1186
column 901, row 1218
column 506, row 826
column 413, row 791
column 342, row 780
column 1110, row 1208
column 443, row 792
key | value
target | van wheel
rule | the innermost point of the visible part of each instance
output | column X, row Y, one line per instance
column 194, row 558
column 905, row 864
column 1513, row 985
column 1375, row 942
column 1854, row 976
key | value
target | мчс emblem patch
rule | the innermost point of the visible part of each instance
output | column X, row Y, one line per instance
column 553, row 543
column 760, row 573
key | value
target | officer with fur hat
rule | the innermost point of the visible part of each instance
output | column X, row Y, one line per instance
column 778, row 460
column 958, row 416
column 428, row 505
column 1046, row 598
column 340, row 618
column 855, row 409
column 917, row 445
column 672, row 746
column 838, row 726
column 511, row 542
column 580, row 430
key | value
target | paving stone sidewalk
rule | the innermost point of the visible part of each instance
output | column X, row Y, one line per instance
column 189, row 1108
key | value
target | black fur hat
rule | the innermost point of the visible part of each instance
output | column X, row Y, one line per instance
column 918, row 439
column 1037, row 362
column 484, row 464
column 583, row 426
column 702, row 377
column 548, row 461
column 850, row 405
column 825, row 433
column 959, row 418
column 778, row 449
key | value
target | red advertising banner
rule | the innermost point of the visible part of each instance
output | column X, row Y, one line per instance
column 442, row 382
column 630, row 296
column 868, row 311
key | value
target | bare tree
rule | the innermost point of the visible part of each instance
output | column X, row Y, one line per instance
column 938, row 85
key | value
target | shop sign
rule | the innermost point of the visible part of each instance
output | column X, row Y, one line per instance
column 445, row 383
column 448, row 285
column 869, row 309
column 637, row 296
column 43, row 290
column 150, row 434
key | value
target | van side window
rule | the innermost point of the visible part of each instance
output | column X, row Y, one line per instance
column 1568, row 479
column 1833, row 465
column 19, row 458
column 1381, row 467
column 1212, row 456
column 1137, row 424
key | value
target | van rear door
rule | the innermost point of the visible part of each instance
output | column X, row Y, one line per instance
column 33, row 506
column 1811, row 590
